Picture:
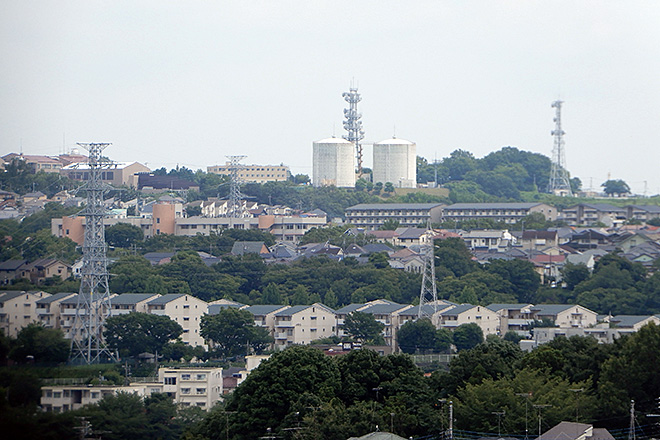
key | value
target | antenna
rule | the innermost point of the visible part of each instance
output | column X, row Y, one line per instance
column 428, row 295
column 559, row 183
column 93, row 306
column 353, row 124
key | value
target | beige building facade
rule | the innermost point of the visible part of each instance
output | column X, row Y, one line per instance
column 18, row 309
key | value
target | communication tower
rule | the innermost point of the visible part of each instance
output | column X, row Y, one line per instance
column 428, row 296
column 93, row 307
column 353, row 124
column 235, row 207
column 559, row 183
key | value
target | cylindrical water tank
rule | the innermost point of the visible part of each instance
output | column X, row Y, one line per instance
column 395, row 161
column 333, row 163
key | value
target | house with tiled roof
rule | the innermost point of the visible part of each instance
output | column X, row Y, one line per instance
column 250, row 247
column 11, row 270
column 38, row 271
column 300, row 325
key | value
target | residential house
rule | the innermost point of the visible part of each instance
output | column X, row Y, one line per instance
column 485, row 318
column 250, row 247
column 18, row 309
column 42, row 269
column 539, row 240
column 590, row 238
column 49, row 309
column 508, row 213
column 575, row 431
column 11, row 270
column 548, row 266
column 373, row 216
column 303, row 324
column 413, row 237
column 186, row 310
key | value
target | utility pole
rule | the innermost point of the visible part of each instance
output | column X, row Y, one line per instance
column 631, row 429
column 499, row 415
column 450, row 431
column 526, row 396
column 540, row 407
column 577, row 402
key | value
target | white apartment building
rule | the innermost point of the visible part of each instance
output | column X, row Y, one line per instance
column 18, row 309
column 485, row 318
column 303, row 324
column 186, row 310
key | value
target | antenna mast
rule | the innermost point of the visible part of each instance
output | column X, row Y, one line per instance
column 428, row 294
column 353, row 124
column 235, row 208
column 93, row 307
column 559, row 182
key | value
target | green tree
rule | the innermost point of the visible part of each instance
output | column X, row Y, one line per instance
column 615, row 187
column 363, row 327
column 574, row 274
column 39, row 344
column 123, row 235
column 136, row 333
column 467, row 336
column 232, row 331
column 389, row 187
column 521, row 274
column 389, row 225
column 422, row 336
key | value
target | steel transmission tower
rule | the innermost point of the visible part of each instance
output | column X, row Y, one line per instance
column 428, row 296
column 353, row 124
column 87, row 342
column 235, row 207
column 559, row 182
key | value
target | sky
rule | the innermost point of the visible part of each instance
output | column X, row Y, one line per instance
column 190, row 82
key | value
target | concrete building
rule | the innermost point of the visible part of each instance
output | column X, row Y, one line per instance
column 587, row 214
column 49, row 309
column 254, row 173
column 395, row 161
column 117, row 174
column 500, row 212
column 371, row 216
column 485, row 318
column 488, row 239
column 131, row 302
column 18, row 309
column 301, row 325
column 36, row 163
column 333, row 163
column 199, row 387
column 186, row 310
column 513, row 317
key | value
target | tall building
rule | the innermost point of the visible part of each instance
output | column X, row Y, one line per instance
column 395, row 161
column 333, row 163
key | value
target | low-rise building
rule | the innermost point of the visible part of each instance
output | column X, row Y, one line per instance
column 18, row 309
column 488, row 239
column 565, row 315
column 116, row 174
column 131, row 302
column 49, row 309
column 508, row 213
column 303, row 324
column 373, row 216
column 485, row 318
column 588, row 214
column 186, row 310
column 254, row 173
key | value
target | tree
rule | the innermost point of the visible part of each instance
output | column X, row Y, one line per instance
column 136, row 333
column 123, row 235
column 232, row 331
column 521, row 274
column 389, row 225
column 574, row 274
column 39, row 344
column 389, row 187
column 467, row 336
column 422, row 336
column 615, row 187
column 363, row 327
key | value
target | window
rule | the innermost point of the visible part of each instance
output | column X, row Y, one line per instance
column 57, row 395
column 201, row 390
column 95, row 394
column 185, row 377
column 170, row 381
column 201, row 376
column 185, row 390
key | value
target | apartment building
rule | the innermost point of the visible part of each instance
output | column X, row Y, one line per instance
column 186, row 310
column 254, row 173
column 500, row 212
column 565, row 316
column 373, row 216
column 513, row 317
column 303, row 324
column 485, row 318
column 116, row 174
column 49, row 309
column 587, row 214
column 131, row 302
column 18, row 309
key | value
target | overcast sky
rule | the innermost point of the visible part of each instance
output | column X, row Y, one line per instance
column 190, row 82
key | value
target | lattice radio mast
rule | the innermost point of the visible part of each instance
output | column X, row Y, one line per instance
column 559, row 182
column 87, row 342
column 428, row 296
column 235, row 207
column 353, row 124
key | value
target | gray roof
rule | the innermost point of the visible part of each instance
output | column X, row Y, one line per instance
column 214, row 309
column 492, row 206
column 625, row 321
column 379, row 435
column 412, row 233
column 390, row 206
column 551, row 309
column 247, row 247
column 349, row 308
column 12, row 264
column 648, row 208
column 603, row 207
column 11, row 294
column 264, row 309
column 377, row 247
column 132, row 298
column 55, row 297
column 383, row 309
column 497, row 307
column 455, row 311
column 565, row 431
column 164, row 299
column 296, row 309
